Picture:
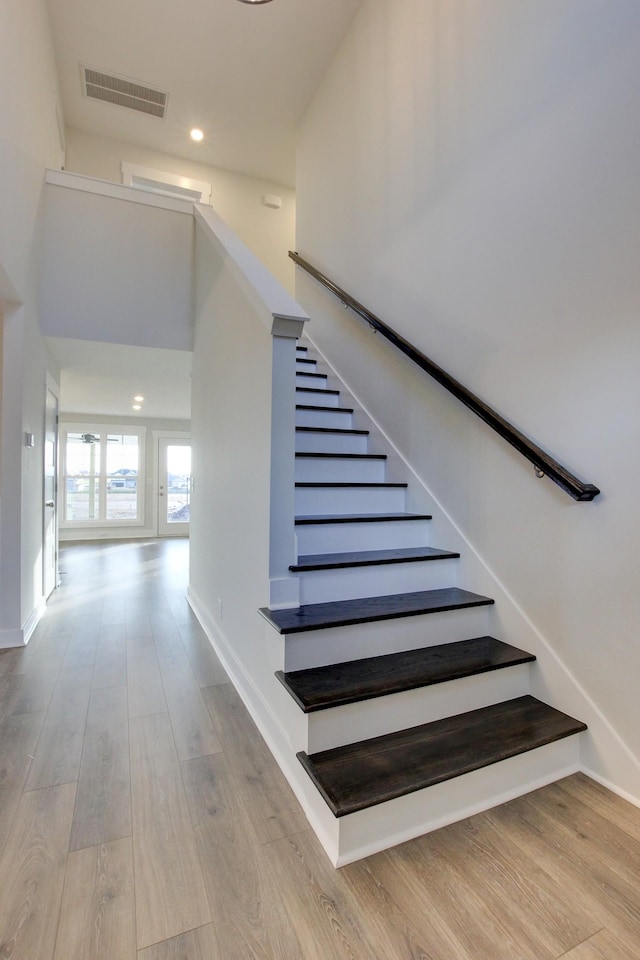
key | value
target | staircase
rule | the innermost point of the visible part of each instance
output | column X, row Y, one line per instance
column 403, row 711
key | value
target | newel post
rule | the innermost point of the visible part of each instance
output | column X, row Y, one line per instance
column 284, row 587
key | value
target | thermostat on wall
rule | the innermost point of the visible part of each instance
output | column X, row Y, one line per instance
column 271, row 200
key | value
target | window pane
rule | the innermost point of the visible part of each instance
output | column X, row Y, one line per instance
column 122, row 453
column 82, row 454
column 82, row 499
column 178, row 483
column 122, row 500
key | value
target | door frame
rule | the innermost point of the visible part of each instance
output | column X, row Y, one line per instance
column 158, row 436
column 50, row 578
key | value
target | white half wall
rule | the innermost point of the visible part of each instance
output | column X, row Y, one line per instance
column 469, row 172
column 231, row 437
column 116, row 269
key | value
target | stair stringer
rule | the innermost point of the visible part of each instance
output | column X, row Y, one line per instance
column 604, row 755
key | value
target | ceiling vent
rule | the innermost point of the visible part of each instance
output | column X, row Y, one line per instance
column 98, row 85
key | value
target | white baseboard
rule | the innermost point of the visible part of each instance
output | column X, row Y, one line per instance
column 20, row 636
column 12, row 638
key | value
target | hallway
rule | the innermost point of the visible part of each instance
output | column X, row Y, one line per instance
column 143, row 818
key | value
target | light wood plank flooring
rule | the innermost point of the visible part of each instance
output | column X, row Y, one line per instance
column 143, row 818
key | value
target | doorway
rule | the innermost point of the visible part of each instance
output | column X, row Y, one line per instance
column 174, row 486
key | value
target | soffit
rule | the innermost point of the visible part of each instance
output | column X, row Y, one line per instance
column 103, row 378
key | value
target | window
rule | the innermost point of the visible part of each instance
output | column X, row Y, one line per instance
column 167, row 184
column 101, row 467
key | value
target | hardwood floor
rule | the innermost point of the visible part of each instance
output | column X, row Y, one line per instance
column 143, row 818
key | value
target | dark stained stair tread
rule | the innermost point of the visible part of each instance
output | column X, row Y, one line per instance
column 305, row 373
column 341, row 431
column 341, row 456
column 364, row 774
column 340, row 613
column 347, row 483
column 368, row 558
column 325, row 409
column 316, row 390
column 308, row 519
column 319, row 688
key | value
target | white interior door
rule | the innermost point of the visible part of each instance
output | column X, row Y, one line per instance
column 174, row 486
column 50, row 512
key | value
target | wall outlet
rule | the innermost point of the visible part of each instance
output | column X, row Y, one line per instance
column 220, row 608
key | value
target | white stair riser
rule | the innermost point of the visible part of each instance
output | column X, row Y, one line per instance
column 323, row 418
column 307, row 442
column 322, row 501
column 308, row 378
column 337, row 644
column 307, row 365
column 387, row 824
column 321, row 398
column 373, row 718
column 336, row 537
column 323, row 586
column 320, row 470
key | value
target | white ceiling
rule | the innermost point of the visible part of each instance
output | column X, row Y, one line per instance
column 244, row 73
column 103, row 378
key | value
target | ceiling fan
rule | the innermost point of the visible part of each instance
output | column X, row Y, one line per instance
column 92, row 438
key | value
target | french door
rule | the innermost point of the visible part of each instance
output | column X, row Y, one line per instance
column 174, row 486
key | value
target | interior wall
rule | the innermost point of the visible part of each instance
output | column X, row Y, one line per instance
column 116, row 271
column 237, row 198
column 29, row 142
column 469, row 172
column 152, row 426
column 231, row 435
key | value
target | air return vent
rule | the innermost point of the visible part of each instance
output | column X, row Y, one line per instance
column 124, row 93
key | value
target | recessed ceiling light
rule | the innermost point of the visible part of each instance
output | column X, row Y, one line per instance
column 138, row 399
column 255, row 1
column 136, row 406
column 198, row 134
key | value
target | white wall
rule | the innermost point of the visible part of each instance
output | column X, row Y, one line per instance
column 29, row 142
column 116, row 271
column 269, row 233
column 470, row 172
column 152, row 426
column 231, row 437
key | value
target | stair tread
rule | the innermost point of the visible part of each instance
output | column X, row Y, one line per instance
column 370, row 772
column 318, row 616
column 318, row 408
column 366, row 558
column 317, row 376
column 319, row 688
column 340, row 431
column 316, row 390
column 382, row 484
column 308, row 519
column 311, row 455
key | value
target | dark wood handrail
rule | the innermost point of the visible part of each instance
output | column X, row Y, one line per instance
column 544, row 464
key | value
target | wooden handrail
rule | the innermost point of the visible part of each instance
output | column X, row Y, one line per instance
column 544, row 464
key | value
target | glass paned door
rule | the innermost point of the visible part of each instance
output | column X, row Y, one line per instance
column 174, row 486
